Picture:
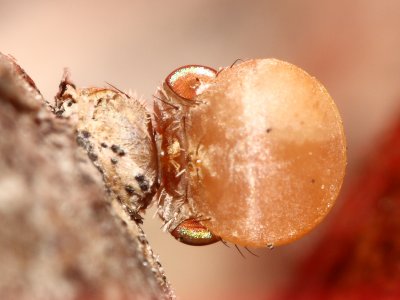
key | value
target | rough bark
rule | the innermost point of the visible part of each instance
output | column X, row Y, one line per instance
column 61, row 234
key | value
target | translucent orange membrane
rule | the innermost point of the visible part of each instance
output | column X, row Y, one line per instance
column 270, row 150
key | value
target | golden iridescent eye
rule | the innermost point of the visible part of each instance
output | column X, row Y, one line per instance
column 259, row 151
column 185, row 81
column 191, row 232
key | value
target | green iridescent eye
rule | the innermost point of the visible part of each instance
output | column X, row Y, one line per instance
column 191, row 232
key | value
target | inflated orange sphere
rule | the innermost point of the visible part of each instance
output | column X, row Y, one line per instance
column 259, row 153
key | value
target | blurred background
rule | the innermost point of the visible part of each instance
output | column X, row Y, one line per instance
column 352, row 47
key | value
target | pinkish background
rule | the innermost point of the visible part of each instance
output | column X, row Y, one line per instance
column 352, row 47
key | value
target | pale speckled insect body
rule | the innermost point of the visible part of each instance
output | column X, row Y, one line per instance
column 116, row 131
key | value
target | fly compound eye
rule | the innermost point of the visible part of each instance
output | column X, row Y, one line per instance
column 185, row 81
column 191, row 232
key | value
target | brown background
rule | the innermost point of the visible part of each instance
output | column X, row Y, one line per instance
column 350, row 46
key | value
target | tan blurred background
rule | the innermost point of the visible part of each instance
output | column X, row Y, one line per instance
column 352, row 47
